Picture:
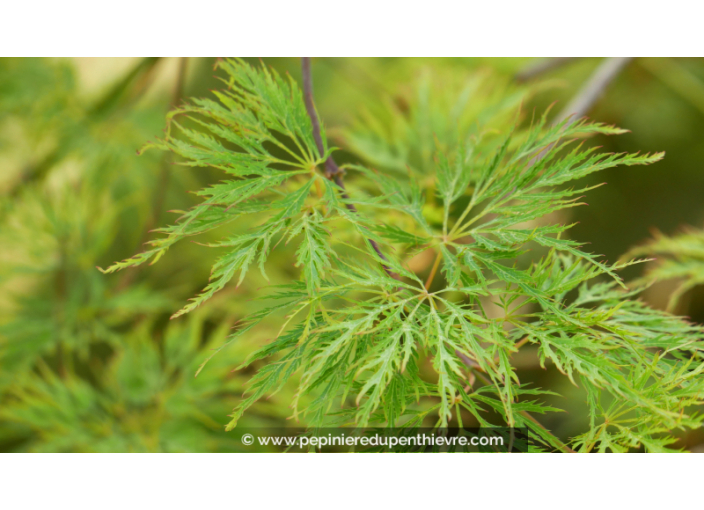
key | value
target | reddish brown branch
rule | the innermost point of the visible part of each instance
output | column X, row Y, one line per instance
column 332, row 171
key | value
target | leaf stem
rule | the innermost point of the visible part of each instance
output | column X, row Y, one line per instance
column 526, row 415
column 436, row 264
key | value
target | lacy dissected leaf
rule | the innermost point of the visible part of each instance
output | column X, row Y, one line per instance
column 679, row 258
column 258, row 133
column 424, row 277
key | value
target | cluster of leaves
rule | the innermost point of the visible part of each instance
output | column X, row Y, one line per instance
column 147, row 400
column 88, row 362
column 64, row 203
column 366, row 338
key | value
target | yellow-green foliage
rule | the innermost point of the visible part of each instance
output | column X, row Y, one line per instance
column 464, row 190
column 679, row 258
column 358, row 334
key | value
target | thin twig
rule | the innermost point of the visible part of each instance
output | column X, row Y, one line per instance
column 586, row 97
column 332, row 171
column 158, row 204
column 593, row 89
column 543, row 66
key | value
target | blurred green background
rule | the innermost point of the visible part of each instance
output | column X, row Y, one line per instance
column 91, row 362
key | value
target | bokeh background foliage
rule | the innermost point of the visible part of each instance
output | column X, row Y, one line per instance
column 91, row 362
